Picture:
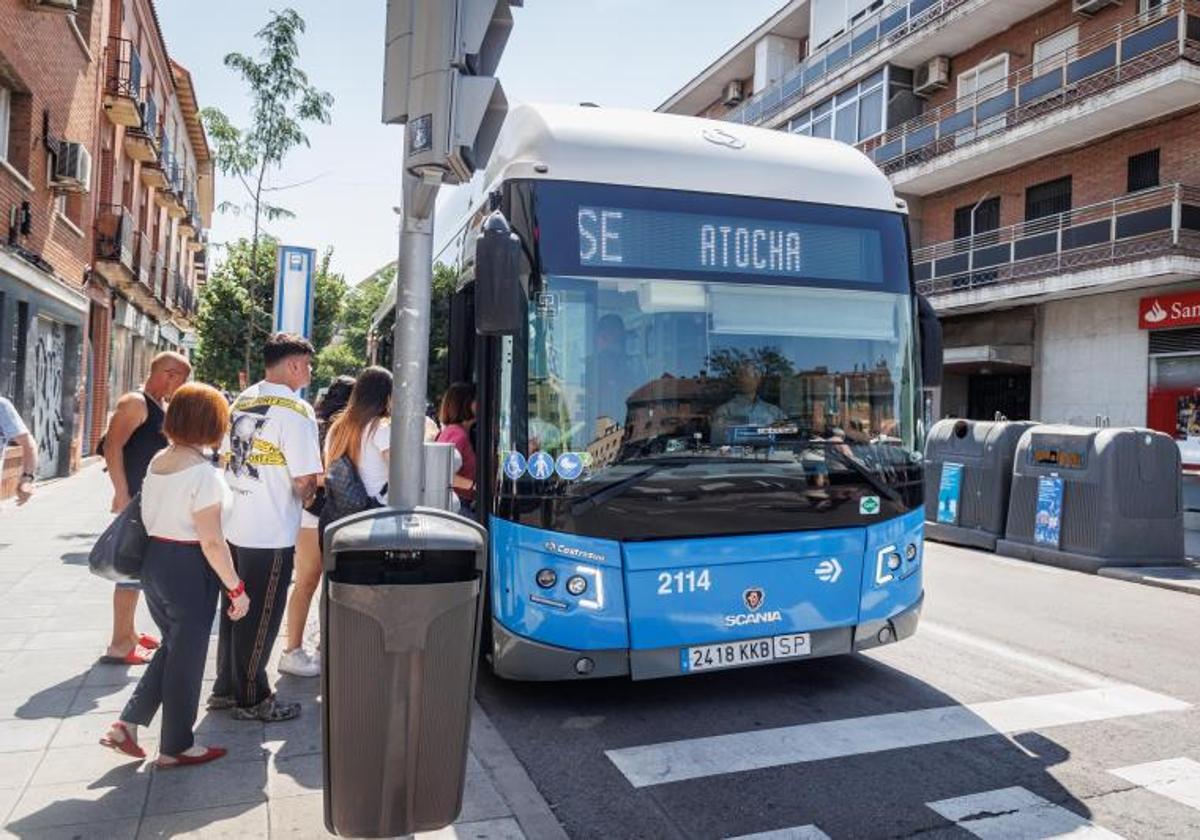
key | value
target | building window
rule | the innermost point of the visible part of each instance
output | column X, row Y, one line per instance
column 851, row 116
column 987, row 218
column 1145, row 6
column 5, row 120
column 1048, row 199
column 1050, row 53
column 1143, row 171
column 984, row 79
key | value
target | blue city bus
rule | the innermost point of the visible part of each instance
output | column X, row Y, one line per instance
column 699, row 436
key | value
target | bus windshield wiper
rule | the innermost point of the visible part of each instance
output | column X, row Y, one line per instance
column 611, row 491
column 861, row 470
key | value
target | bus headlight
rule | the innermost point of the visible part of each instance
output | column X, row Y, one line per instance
column 580, row 580
column 576, row 585
column 884, row 570
column 546, row 578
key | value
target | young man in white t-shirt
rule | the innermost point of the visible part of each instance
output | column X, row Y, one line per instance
column 272, row 461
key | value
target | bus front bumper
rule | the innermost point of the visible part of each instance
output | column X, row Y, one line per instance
column 518, row 658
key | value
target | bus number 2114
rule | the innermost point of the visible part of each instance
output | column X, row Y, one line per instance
column 679, row 582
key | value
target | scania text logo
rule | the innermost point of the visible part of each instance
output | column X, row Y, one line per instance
column 721, row 137
column 753, row 599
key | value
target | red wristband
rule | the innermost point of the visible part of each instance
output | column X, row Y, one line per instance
column 238, row 590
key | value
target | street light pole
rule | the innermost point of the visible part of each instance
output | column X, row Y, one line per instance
column 410, row 339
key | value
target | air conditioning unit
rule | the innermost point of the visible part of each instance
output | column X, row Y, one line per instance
column 1090, row 7
column 54, row 5
column 931, row 76
column 734, row 93
column 72, row 168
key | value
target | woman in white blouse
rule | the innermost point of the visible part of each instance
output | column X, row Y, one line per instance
column 186, row 567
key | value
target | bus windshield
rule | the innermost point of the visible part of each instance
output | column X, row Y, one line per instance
column 699, row 364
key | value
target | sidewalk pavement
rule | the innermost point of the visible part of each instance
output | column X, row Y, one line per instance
column 56, row 701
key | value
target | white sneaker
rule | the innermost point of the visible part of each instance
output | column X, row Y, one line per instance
column 299, row 663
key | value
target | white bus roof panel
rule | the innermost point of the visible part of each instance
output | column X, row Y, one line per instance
column 667, row 151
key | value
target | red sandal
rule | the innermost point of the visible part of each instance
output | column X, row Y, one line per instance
column 210, row 754
column 138, row 656
column 148, row 642
column 126, row 745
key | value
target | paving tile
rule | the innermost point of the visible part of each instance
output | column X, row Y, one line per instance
column 82, row 730
column 100, row 674
column 232, row 822
column 106, row 830
column 298, row 776
column 214, row 785
column 101, row 698
column 292, row 738
column 14, row 641
column 300, row 817
column 51, row 703
column 505, row 829
column 481, row 800
column 56, row 640
column 74, row 804
column 16, row 767
column 23, row 735
column 88, row 763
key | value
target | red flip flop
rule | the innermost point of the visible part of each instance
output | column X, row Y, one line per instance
column 210, row 754
column 126, row 745
column 148, row 642
column 137, row 656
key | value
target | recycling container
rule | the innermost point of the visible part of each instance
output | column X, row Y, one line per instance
column 968, row 473
column 1087, row 498
column 400, row 621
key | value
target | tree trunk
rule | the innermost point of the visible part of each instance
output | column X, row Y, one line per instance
column 253, row 313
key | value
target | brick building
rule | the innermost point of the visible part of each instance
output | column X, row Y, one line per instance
column 1049, row 152
column 105, row 191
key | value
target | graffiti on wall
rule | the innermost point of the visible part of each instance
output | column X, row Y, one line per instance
column 48, row 421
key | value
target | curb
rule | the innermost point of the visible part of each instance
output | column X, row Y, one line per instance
column 1184, row 579
column 528, row 807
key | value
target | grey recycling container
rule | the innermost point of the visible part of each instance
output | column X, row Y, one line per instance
column 968, row 473
column 1086, row 498
column 400, row 621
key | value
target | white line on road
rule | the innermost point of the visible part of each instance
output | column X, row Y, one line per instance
column 799, row 832
column 1177, row 779
column 695, row 758
column 1045, row 664
column 1014, row 814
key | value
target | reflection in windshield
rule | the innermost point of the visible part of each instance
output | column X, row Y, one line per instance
column 625, row 370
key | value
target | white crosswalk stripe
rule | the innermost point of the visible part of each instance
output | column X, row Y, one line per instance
column 1177, row 779
column 696, row 758
column 799, row 832
column 1017, row 814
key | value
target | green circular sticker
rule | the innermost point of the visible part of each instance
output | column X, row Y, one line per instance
column 868, row 505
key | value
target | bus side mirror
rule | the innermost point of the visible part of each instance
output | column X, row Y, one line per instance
column 501, row 299
column 931, row 343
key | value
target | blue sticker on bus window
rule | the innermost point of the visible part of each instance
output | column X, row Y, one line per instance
column 949, row 490
column 514, row 465
column 541, row 465
column 569, row 466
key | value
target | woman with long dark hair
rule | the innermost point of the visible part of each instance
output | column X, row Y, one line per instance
column 362, row 431
column 295, row 660
column 457, row 416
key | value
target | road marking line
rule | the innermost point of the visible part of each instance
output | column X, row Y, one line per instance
column 1013, row 813
column 799, row 832
column 1045, row 664
column 674, row 761
column 1177, row 779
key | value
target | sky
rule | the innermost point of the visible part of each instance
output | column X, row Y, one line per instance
column 619, row 53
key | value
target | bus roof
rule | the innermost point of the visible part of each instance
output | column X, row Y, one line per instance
column 668, row 151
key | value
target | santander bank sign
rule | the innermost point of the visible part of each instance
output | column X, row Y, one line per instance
column 1166, row 311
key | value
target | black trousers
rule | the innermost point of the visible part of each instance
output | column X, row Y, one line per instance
column 244, row 647
column 182, row 593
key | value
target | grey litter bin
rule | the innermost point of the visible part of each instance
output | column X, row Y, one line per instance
column 972, row 510
column 400, row 621
column 1087, row 498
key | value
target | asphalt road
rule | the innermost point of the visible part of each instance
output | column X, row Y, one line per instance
column 1032, row 702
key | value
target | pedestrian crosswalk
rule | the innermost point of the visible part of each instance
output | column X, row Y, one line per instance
column 1015, row 812
column 1177, row 779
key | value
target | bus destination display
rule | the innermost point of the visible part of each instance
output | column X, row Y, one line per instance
column 628, row 238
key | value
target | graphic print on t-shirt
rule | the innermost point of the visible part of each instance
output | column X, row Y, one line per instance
column 243, row 432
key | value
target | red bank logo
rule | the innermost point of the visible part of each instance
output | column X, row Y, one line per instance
column 1167, row 311
column 1155, row 314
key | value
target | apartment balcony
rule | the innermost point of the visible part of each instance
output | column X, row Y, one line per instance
column 903, row 32
column 191, row 215
column 141, row 141
column 115, row 228
column 1142, row 239
column 143, row 257
column 123, row 83
column 185, row 303
column 170, row 196
column 1135, row 72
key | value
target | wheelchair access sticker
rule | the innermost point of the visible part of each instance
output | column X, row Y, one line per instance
column 514, row 465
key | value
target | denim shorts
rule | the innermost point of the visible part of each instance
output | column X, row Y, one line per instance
column 129, row 584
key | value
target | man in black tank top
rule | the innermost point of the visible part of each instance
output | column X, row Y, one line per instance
column 133, row 438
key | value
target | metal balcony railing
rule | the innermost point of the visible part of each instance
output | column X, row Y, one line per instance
column 142, row 258
column 1134, row 48
column 875, row 33
column 114, row 235
column 123, row 75
column 1161, row 221
column 158, row 281
column 149, row 125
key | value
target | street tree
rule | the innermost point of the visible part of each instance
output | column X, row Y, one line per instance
column 282, row 101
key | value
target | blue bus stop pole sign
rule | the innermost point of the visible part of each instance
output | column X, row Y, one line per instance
column 294, row 290
column 1047, row 523
column 949, row 490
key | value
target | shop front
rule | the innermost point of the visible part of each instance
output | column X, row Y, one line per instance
column 135, row 342
column 1173, row 397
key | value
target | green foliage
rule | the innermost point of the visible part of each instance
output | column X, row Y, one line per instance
column 227, row 315
column 444, row 281
column 333, row 361
column 361, row 304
